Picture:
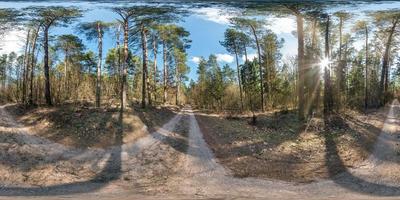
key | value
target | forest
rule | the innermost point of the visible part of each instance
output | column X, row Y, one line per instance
column 298, row 117
column 328, row 74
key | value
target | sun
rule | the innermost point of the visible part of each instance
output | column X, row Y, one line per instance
column 324, row 62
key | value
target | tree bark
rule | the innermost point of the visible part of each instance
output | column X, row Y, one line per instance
column 32, row 65
column 300, row 52
column 25, row 70
column 98, row 79
column 327, row 87
column 155, row 48
column 245, row 53
column 239, row 79
column 366, row 70
column 66, row 88
column 341, row 65
column 46, row 67
column 144, row 71
column 177, row 84
column 124, row 65
column 384, row 83
column 119, row 70
column 165, row 72
column 260, row 66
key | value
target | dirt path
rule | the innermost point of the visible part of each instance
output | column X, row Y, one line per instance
column 27, row 160
column 199, row 176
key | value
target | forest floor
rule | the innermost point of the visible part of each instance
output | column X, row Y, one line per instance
column 176, row 162
column 282, row 147
column 83, row 126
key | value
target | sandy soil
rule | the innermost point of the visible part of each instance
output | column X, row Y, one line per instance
column 196, row 174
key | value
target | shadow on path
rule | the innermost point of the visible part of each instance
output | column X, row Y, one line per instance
column 112, row 171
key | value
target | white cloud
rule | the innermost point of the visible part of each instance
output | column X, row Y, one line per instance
column 281, row 25
column 12, row 41
column 224, row 58
column 217, row 15
column 250, row 56
column 195, row 59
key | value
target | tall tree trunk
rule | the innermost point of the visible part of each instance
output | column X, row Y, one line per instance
column 25, row 66
column 165, row 74
column 124, row 65
column 245, row 53
column 340, row 37
column 144, row 73
column 46, row 67
column 32, row 65
column 155, row 51
column 385, row 64
column 327, row 87
column 300, row 52
column 340, row 69
column 177, row 79
column 260, row 66
column 119, row 70
column 366, row 70
column 98, row 79
column 316, row 70
column 239, row 79
column 66, row 87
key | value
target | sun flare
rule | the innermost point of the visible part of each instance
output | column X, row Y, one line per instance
column 324, row 62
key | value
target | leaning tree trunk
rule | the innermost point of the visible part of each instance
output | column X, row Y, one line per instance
column 144, row 71
column 46, row 67
column 384, row 83
column 98, row 79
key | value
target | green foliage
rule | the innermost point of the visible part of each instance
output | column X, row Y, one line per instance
column 112, row 61
column 91, row 29
column 250, row 79
column 54, row 15
column 89, row 62
column 235, row 41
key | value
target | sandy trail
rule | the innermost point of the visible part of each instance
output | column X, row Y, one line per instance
column 201, row 176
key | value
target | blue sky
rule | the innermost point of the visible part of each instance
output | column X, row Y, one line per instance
column 206, row 25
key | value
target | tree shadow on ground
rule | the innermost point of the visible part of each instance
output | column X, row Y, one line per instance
column 298, row 164
column 79, row 126
column 111, row 171
column 348, row 180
